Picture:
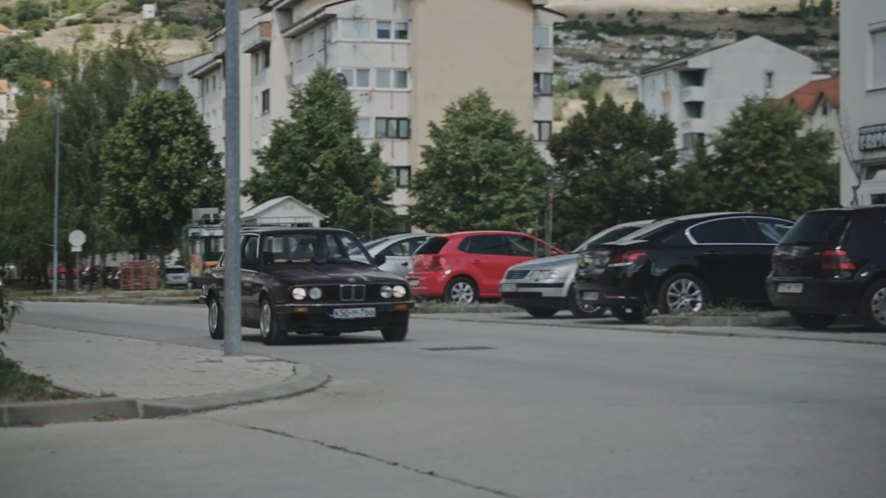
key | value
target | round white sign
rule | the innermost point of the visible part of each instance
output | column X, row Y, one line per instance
column 77, row 238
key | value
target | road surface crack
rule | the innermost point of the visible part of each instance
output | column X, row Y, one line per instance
column 391, row 463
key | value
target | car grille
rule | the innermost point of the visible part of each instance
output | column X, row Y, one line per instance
column 352, row 292
column 516, row 274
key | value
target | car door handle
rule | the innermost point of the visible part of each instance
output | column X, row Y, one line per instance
column 405, row 263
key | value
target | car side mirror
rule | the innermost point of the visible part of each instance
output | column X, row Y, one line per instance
column 380, row 259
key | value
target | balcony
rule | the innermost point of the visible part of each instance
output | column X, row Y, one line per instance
column 693, row 94
column 256, row 37
column 694, row 125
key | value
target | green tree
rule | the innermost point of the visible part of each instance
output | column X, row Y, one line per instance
column 86, row 33
column 612, row 165
column 480, row 171
column 826, row 8
column 762, row 161
column 158, row 164
column 26, row 187
column 316, row 157
column 22, row 59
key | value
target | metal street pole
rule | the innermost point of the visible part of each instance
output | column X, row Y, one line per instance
column 232, row 290
column 58, row 125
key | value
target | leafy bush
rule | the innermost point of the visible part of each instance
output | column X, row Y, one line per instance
column 181, row 31
column 8, row 310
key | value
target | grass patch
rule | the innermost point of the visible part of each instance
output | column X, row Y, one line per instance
column 16, row 385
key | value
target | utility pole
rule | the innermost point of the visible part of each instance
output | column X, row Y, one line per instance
column 232, row 277
column 58, row 125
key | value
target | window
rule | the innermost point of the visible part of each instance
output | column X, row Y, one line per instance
column 694, row 109
column 363, row 128
column 249, row 256
column 878, row 198
column 878, row 59
column 392, row 128
column 486, row 244
column 769, row 230
column 401, row 30
column 543, row 38
column 265, row 101
column 354, row 29
column 728, row 231
column 299, row 50
column 525, row 246
column 392, row 78
column 690, row 140
column 770, row 75
column 266, row 57
column 356, row 77
column 543, row 84
column 402, row 176
column 383, row 30
column 541, row 131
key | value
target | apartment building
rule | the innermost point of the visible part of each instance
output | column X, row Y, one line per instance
column 403, row 61
column 699, row 93
column 8, row 109
column 863, row 101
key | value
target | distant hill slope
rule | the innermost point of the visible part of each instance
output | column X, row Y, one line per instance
column 591, row 6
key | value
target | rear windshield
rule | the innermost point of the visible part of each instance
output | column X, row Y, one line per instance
column 608, row 235
column 432, row 245
column 645, row 232
column 180, row 269
column 823, row 227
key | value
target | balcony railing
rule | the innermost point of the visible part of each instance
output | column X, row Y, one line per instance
column 693, row 94
column 256, row 37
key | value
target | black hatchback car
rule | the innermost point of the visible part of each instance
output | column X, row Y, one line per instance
column 307, row 281
column 682, row 264
column 831, row 263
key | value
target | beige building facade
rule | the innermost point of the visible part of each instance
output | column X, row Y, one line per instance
column 403, row 62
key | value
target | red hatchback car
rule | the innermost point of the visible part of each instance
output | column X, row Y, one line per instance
column 467, row 266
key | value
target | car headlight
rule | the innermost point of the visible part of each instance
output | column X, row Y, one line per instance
column 399, row 291
column 315, row 293
column 299, row 293
column 544, row 274
column 385, row 291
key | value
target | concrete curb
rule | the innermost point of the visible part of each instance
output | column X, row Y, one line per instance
column 720, row 321
column 40, row 413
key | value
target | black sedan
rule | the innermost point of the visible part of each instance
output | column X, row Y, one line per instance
column 307, row 281
column 682, row 264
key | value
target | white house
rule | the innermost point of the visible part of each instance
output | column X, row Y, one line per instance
column 863, row 101
column 402, row 60
column 698, row 93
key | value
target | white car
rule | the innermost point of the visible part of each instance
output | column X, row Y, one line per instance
column 177, row 275
column 544, row 286
column 397, row 250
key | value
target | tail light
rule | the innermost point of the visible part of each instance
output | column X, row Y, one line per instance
column 627, row 258
column 836, row 260
column 427, row 262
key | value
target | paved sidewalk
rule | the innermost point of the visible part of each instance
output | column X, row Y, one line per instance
column 150, row 378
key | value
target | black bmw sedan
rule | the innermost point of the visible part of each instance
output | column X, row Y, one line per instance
column 310, row 281
column 682, row 264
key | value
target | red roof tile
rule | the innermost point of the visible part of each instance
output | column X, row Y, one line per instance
column 806, row 97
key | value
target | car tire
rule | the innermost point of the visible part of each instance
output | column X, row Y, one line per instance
column 395, row 334
column 629, row 314
column 269, row 324
column 582, row 311
column 216, row 318
column 542, row 312
column 813, row 321
column 873, row 306
column 683, row 292
column 461, row 290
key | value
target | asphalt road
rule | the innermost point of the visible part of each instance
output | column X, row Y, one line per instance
column 465, row 409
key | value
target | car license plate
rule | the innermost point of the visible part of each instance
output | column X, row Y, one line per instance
column 590, row 296
column 789, row 288
column 351, row 313
column 509, row 287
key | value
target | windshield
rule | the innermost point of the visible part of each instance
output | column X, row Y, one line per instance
column 608, row 235
column 823, row 227
column 313, row 247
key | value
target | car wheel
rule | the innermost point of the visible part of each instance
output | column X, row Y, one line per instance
column 461, row 290
column 629, row 314
column 873, row 306
column 542, row 312
column 269, row 325
column 583, row 310
column 683, row 292
column 813, row 321
column 216, row 318
column 395, row 334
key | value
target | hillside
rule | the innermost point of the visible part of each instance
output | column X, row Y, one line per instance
column 574, row 7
